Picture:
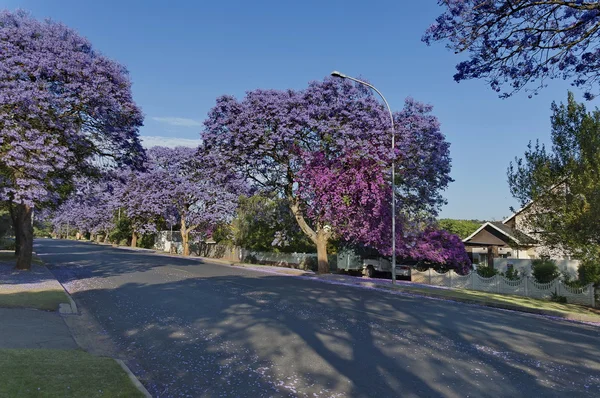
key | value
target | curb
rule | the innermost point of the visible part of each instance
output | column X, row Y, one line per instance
column 136, row 382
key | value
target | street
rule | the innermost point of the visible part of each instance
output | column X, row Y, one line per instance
column 200, row 329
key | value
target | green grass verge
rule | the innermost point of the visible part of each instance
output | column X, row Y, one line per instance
column 47, row 300
column 527, row 304
column 61, row 373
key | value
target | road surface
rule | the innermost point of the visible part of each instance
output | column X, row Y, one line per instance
column 192, row 329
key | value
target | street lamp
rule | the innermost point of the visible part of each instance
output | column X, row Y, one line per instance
column 338, row 74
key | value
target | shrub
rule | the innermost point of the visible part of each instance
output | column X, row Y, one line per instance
column 487, row 271
column 544, row 270
column 512, row 274
column 7, row 244
column 589, row 271
column 557, row 298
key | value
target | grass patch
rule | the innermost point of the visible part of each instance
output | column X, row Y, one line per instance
column 61, row 373
column 569, row 311
column 47, row 300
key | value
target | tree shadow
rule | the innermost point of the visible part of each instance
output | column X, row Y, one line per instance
column 207, row 330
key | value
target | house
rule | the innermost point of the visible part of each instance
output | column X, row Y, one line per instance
column 511, row 243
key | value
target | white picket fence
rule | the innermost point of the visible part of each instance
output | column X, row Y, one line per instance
column 498, row 284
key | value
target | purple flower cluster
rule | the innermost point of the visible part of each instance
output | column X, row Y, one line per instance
column 62, row 108
column 520, row 41
column 327, row 150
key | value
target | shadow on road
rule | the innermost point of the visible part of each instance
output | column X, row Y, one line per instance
column 213, row 330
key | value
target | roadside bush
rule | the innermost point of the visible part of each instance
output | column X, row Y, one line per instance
column 557, row 298
column 512, row 274
column 487, row 271
column 147, row 241
column 544, row 270
column 589, row 271
column 7, row 244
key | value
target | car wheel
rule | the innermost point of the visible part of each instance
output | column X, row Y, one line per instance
column 369, row 271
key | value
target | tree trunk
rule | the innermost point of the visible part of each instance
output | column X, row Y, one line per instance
column 185, row 237
column 105, row 236
column 319, row 238
column 16, row 227
column 323, row 262
column 134, row 239
column 23, row 235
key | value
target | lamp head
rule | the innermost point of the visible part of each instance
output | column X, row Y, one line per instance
column 338, row 74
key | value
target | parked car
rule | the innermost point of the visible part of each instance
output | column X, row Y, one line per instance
column 373, row 265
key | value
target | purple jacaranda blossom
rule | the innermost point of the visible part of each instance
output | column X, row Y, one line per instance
column 177, row 186
column 65, row 110
column 518, row 42
column 327, row 150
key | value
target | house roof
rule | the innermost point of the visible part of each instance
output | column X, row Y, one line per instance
column 518, row 237
column 517, row 212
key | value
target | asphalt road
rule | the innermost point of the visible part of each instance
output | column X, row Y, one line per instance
column 194, row 329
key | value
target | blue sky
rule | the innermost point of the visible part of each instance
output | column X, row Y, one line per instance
column 182, row 55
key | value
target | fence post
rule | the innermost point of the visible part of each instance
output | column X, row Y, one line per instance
column 472, row 275
column 593, row 294
column 450, row 274
column 497, row 283
column 429, row 275
column 526, row 286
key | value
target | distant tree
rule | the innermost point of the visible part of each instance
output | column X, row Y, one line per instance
column 521, row 41
column 326, row 150
column 265, row 223
column 544, row 270
column 563, row 184
column 462, row 228
column 65, row 110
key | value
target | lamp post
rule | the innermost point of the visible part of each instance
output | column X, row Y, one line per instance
column 338, row 74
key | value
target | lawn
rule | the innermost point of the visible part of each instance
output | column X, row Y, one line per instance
column 527, row 304
column 62, row 373
column 29, row 289
column 47, row 300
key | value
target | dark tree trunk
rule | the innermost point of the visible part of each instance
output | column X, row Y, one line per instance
column 13, row 215
column 23, row 235
column 133, row 239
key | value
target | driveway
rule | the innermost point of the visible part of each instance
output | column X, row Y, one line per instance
column 193, row 329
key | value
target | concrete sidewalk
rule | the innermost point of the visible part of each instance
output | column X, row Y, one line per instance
column 27, row 328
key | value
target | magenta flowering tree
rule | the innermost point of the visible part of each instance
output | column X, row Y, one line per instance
column 326, row 149
column 64, row 111
column 522, row 41
column 440, row 247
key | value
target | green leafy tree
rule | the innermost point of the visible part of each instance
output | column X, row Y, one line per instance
column 563, row 185
column 264, row 223
column 462, row 228
column 544, row 270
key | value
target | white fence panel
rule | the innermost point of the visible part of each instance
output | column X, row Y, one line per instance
column 438, row 279
column 485, row 284
column 541, row 290
column 459, row 281
column 508, row 286
column 419, row 277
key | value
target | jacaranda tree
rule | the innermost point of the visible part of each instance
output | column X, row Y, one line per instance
column 200, row 197
column 90, row 209
column 64, row 110
column 521, row 41
column 326, row 150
